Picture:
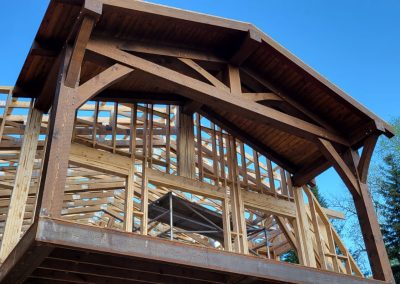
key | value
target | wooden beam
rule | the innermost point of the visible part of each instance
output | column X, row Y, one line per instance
column 164, row 50
column 259, row 97
column 92, row 9
column 5, row 113
column 372, row 235
column 365, row 210
column 5, row 89
column 56, row 154
column 320, row 243
column 235, row 83
column 289, row 235
column 217, row 83
column 370, row 228
column 269, row 204
column 129, row 194
column 74, row 67
column 186, row 150
column 340, row 166
column 365, row 159
column 98, row 160
column 61, row 124
column 240, row 241
column 334, row 214
column 81, row 32
column 15, row 215
column 100, row 82
column 95, row 239
column 211, row 95
column 185, row 184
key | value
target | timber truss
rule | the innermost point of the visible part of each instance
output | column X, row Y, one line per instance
column 166, row 164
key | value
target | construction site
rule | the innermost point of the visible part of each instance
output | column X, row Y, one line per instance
column 148, row 144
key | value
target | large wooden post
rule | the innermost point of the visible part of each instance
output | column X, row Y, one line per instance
column 69, row 96
column 62, row 115
column 130, row 182
column 186, row 152
column 354, row 175
column 367, row 217
column 19, row 196
column 237, row 204
column 372, row 235
column 57, row 149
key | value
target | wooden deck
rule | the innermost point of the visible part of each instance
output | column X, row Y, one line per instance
column 58, row 251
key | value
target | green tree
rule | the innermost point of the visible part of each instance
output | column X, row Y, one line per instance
column 290, row 257
column 390, row 210
column 387, row 182
column 322, row 200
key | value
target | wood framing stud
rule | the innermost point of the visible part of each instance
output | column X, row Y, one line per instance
column 22, row 184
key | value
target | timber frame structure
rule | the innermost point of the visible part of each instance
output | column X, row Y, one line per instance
column 146, row 144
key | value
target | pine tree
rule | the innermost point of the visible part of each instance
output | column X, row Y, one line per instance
column 322, row 201
column 390, row 210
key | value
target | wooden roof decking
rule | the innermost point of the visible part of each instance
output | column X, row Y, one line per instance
column 157, row 33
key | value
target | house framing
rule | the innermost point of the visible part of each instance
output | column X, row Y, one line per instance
column 121, row 102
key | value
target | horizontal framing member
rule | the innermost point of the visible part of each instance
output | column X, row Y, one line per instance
column 99, row 160
column 185, row 184
column 63, row 233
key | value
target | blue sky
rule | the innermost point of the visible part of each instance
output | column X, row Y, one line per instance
column 353, row 43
